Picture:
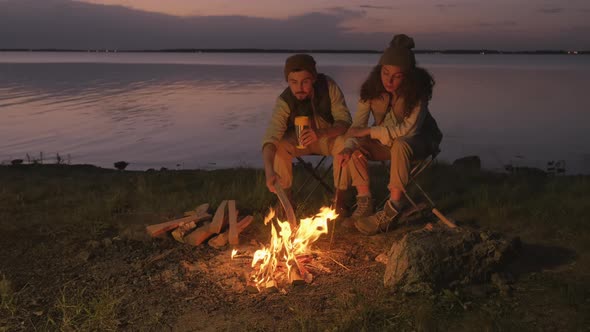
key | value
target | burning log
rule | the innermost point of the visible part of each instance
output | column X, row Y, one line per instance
column 271, row 286
column 159, row 229
column 251, row 287
column 286, row 246
column 222, row 239
column 307, row 276
column 295, row 278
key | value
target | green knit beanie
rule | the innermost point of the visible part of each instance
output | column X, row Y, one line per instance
column 399, row 53
column 299, row 62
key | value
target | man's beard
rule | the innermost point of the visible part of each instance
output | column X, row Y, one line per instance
column 301, row 96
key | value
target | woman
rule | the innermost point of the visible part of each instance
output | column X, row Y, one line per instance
column 396, row 93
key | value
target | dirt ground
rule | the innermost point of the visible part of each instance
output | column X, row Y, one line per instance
column 160, row 284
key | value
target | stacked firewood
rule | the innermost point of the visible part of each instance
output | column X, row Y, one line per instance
column 198, row 226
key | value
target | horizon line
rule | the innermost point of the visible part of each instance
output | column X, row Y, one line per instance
column 281, row 50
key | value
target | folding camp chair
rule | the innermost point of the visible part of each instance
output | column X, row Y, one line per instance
column 418, row 166
column 314, row 173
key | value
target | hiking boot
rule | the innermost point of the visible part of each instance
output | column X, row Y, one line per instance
column 364, row 208
column 379, row 222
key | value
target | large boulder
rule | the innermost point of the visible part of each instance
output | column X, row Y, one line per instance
column 427, row 260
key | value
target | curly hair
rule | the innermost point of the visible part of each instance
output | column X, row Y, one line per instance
column 417, row 86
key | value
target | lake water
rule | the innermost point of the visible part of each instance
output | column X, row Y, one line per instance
column 208, row 110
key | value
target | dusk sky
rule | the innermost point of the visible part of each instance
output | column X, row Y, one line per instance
column 328, row 24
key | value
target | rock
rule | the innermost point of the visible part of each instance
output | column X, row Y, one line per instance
column 424, row 261
column 468, row 162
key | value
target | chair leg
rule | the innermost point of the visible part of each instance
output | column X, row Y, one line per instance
column 416, row 170
column 435, row 211
column 317, row 184
column 410, row 200
column 313, row 172
column 308, row 168
column 424, row 193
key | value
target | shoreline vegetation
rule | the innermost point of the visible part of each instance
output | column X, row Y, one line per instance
column 75, row 255
column 255, row 50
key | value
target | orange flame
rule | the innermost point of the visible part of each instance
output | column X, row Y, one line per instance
column 286, row 245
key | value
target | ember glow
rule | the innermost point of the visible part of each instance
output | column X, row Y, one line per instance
column 285, row 246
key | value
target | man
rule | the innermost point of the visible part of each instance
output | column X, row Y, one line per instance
column 309, row 94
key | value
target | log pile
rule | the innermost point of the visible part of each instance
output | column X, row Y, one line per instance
column 435, row 258
column 198, row 226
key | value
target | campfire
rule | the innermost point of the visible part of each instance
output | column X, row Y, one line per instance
column 282, row 260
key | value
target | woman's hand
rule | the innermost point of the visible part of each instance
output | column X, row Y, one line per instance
column 358, row 132
column 344, row 156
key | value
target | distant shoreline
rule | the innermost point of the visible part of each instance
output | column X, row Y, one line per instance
column 253, row 50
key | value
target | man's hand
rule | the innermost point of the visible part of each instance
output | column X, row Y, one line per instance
column 358, row 132
column 344, row 156
column 309, row 136
column 271, row 178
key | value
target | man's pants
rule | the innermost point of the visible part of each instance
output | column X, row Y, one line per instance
column 287, row 150
column 401, row 153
